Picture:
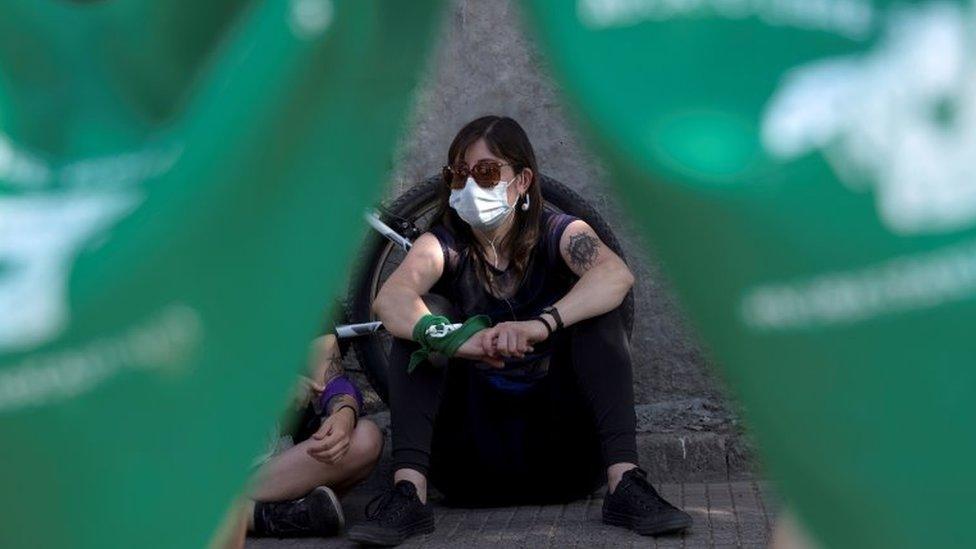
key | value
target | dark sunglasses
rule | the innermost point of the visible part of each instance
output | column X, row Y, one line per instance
column 486, row 173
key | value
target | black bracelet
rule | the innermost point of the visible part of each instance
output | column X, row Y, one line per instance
column 355, row 413
column 546, row 322
column 555, row 314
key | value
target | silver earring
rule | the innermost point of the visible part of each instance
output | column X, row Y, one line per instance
column 525, row 205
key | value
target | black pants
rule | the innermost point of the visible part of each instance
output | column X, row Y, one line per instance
column 481, row 446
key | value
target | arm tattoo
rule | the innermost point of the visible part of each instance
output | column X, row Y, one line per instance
column 582, row 250
column 333, row 367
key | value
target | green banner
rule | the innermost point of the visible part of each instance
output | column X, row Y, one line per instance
column 806, row 170
column 181, row 187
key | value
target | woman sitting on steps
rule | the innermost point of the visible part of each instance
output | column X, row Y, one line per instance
column 510, row 377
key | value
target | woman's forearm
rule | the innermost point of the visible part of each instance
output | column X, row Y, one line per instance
column 399, row 309
column 600, row 290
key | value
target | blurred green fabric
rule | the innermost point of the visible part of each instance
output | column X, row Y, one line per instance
column 805, row 172
column 178, row 183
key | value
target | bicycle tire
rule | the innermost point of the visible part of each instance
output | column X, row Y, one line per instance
column 421, row 200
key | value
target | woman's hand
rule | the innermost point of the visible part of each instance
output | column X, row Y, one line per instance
column 331, row 442
column 513, row 339
column 474, row 349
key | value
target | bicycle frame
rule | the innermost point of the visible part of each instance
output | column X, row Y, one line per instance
column 344, row 331
column 376, row 223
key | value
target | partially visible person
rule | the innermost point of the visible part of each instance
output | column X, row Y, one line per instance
column 295, row 492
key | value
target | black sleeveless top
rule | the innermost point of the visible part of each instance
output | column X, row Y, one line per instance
column 546, row 280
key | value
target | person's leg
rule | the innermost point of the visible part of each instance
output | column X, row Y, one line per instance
column 506, row 446
column 415, row 400
column 479, row 444
column 299, row 481
column 549, row 444
column 511, row 444
column 601, row 361
column 600, row 355
column 293, row 473
column 562, row 444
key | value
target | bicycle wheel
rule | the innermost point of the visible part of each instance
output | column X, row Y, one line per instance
column 410, row 215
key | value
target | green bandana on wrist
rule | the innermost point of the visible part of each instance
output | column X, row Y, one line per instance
column 435, row 334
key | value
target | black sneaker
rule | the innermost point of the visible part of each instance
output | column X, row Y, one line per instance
column 317, row 514
column 635, row 504
column 394, row 516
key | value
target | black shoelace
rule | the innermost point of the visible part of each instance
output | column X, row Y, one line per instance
column 644, row 494
column 287, row 517
column 392, row 501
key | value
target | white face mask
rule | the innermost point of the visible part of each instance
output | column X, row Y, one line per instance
column 483, row 209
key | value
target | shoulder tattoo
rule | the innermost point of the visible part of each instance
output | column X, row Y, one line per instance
column 582, row 250
column 333, row 367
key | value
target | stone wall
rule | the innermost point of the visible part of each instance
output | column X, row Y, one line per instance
column 486, row 62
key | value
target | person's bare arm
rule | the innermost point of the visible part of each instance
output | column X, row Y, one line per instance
column 325, row 362
column 604, row 282
column 604, row 278
column 399, row 304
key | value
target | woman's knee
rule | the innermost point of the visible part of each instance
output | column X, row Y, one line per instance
column 366, row 445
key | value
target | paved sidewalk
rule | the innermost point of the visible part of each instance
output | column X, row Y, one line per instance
column 727, row 514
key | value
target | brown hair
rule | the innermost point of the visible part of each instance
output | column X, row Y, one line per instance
column 507, row 140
